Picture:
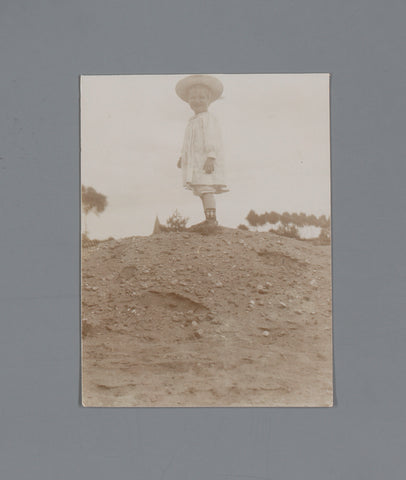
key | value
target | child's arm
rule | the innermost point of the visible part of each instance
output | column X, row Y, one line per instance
column 213, row 142
column 179, row 164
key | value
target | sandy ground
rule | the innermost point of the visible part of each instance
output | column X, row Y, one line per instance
column 182, row 319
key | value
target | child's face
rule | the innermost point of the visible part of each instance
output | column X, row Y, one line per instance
column 199, row 99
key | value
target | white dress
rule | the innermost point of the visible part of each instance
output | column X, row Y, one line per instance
column 203, row 140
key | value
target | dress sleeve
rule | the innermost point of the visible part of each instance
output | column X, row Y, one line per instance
column 212, row 137
column 186, row 141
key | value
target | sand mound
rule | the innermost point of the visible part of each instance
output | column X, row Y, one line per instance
column 233, row 318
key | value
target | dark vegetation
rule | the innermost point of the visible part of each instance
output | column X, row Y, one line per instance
column 92, row 201
column 286, row 218
column 176, row 223
column 288, row 224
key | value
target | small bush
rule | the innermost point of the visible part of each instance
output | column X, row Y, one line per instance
column 290, row 231
column 325, row 236
column 243, row 227
column 176, row 223
column 87, row 242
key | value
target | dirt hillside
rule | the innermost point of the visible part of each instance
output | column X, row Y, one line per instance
column 182, row 319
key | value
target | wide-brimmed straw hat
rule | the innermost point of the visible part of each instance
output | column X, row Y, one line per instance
column 212, row 83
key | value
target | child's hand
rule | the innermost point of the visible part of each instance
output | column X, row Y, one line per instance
column 179, row 164
column 209, row 165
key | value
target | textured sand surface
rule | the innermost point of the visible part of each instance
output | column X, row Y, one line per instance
column 182, row 319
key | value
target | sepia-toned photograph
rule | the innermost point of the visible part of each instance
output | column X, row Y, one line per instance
column 206, row 240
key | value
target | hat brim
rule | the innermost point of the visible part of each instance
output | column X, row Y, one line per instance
column 212, row 83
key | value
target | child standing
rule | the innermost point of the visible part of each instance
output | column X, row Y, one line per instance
column 202, row 158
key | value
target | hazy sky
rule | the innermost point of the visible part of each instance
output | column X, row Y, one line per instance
column 276, row 138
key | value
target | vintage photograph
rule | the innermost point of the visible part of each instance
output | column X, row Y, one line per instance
column 206, row 240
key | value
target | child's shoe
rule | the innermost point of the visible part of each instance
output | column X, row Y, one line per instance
column 197, row 227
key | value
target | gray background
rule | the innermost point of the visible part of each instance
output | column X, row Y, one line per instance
column 45, row 45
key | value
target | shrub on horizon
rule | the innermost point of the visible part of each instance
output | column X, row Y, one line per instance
column 242, row 227
column 290, row 231
column 325, row 236
column 176, row 223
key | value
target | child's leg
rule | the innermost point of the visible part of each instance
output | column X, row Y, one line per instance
column 209, row 206
column 208, row 201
